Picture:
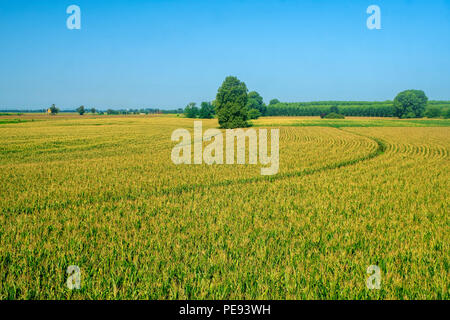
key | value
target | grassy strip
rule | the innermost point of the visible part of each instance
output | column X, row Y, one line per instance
column 9, row 121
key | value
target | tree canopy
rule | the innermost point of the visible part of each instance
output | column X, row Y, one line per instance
column 254, row 114
column 433, row 112
column 81, row 110
column 231, row 104
column 410, row 104
column 334, row 115
column 274, row 101
column 255, row 101
column 54, row 109
column 206, row 111
column 446, row 114
column 191, row 110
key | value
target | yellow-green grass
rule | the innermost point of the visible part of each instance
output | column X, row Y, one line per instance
column 102, row 193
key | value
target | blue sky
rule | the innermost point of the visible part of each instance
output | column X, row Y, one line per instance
column 168, row 53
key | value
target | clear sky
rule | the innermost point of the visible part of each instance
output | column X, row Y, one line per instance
column 167, row 53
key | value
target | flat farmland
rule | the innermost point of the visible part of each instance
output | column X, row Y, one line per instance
column 102, row 193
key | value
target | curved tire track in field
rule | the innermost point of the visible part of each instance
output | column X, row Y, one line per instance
column 377, row 152
column 191, row 187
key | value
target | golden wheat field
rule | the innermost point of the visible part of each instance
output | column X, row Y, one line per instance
column 102, row 193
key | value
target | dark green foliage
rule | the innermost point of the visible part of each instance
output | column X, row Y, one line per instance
column 54, row 109
column 255, row 101
column 81, row 110
column 254, row 114
column 334, row 109
column 334, row 115
column 446, row 114
column 206, row 111
column 433, row 112
column 143, row 111
column 8, row 121
column 93, row 110
column 191, row 110
column 347, row 108
column 273, row 102
column 410, row 104
column 231, row 104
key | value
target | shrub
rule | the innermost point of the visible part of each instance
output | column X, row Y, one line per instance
column 81, row 110
column 433, row 112
column 191, row 110
column 206, row 111
column 446, row 114
column 254, row 114
column 334, row 115
column 54, row 109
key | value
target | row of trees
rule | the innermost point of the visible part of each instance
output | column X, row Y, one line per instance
column 206, row 110
column 234, row 106
column 407, row 104
column 143, row 111
column 83, row 110
column 294, row 109
column 437, row 112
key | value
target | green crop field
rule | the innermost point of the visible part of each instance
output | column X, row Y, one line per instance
column 102, row 193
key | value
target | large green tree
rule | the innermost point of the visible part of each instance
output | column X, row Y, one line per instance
column 191, row 110
column 81, row 110
column 255, row 101
column 206, row 111
column 410, row 104
column 54, row 109
column 231, row 104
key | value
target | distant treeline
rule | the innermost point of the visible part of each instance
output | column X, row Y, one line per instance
column 20, row 111
column 276, row 108
column 143, row 111
column 346, row 108
column 108, row 111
